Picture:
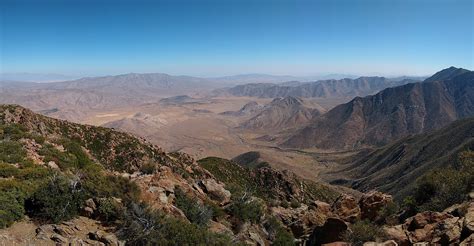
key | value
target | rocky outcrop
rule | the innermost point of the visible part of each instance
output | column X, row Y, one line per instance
column 215, row 190
column 434, row 227
column 301, row 220
column 347, row 208
column 372, row 203
column 468, row 221
column 78, row 231
column 397, row 233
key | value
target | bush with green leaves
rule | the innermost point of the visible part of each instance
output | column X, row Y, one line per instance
column 98, row 184
column 59, row 199
column 148, row 168
column 197, row 213
column 277, row 232
column 363, row 231
column 109, row 209
column 11, row 152
column 143, row 226
column 442, row 188
column 11, row 207
column 246, row 208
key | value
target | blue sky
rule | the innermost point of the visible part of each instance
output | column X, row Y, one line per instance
column 224, row 37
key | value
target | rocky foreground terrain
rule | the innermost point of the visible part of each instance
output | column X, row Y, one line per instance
column 64, row 183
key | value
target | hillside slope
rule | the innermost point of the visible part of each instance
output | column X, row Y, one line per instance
column 394, row 168
column 54, row 171
column 390, row 114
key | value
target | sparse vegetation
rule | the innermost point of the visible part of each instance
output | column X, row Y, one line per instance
column 363, row 231
column 197, row 213
column 143, row 226
column 148, row 168
column 279, row 235
column 59, row 199
column 440, row 189
column 246, row 208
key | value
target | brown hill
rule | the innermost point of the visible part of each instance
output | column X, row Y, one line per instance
column 391, row 114
column 283, row 113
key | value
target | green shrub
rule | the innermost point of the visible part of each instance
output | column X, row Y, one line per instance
column 440, row 189
column 64, row 160
column 8, row 170
column 11, row 152
column 74, row 148
column 13, row 131
column 143, row 226
column 246, row 208
column 148, row 168
column 295, row 203
column 363, row 231
column 197, row 213
column 59, row 199
column 109, row 209
column 11, row 207
column 278, row 234
column 98, row 184
column 387, row 211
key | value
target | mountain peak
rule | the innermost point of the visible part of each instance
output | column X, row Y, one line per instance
column 447, row 73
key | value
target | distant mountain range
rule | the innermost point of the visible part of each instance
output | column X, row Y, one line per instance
column 392, row 114
column 324, row 88
column 72, row 98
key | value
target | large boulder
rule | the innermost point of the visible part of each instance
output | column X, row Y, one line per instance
column 215, row 190
column 372, row 203
column 333, row 230
column 347, row 208
column 397, row 234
